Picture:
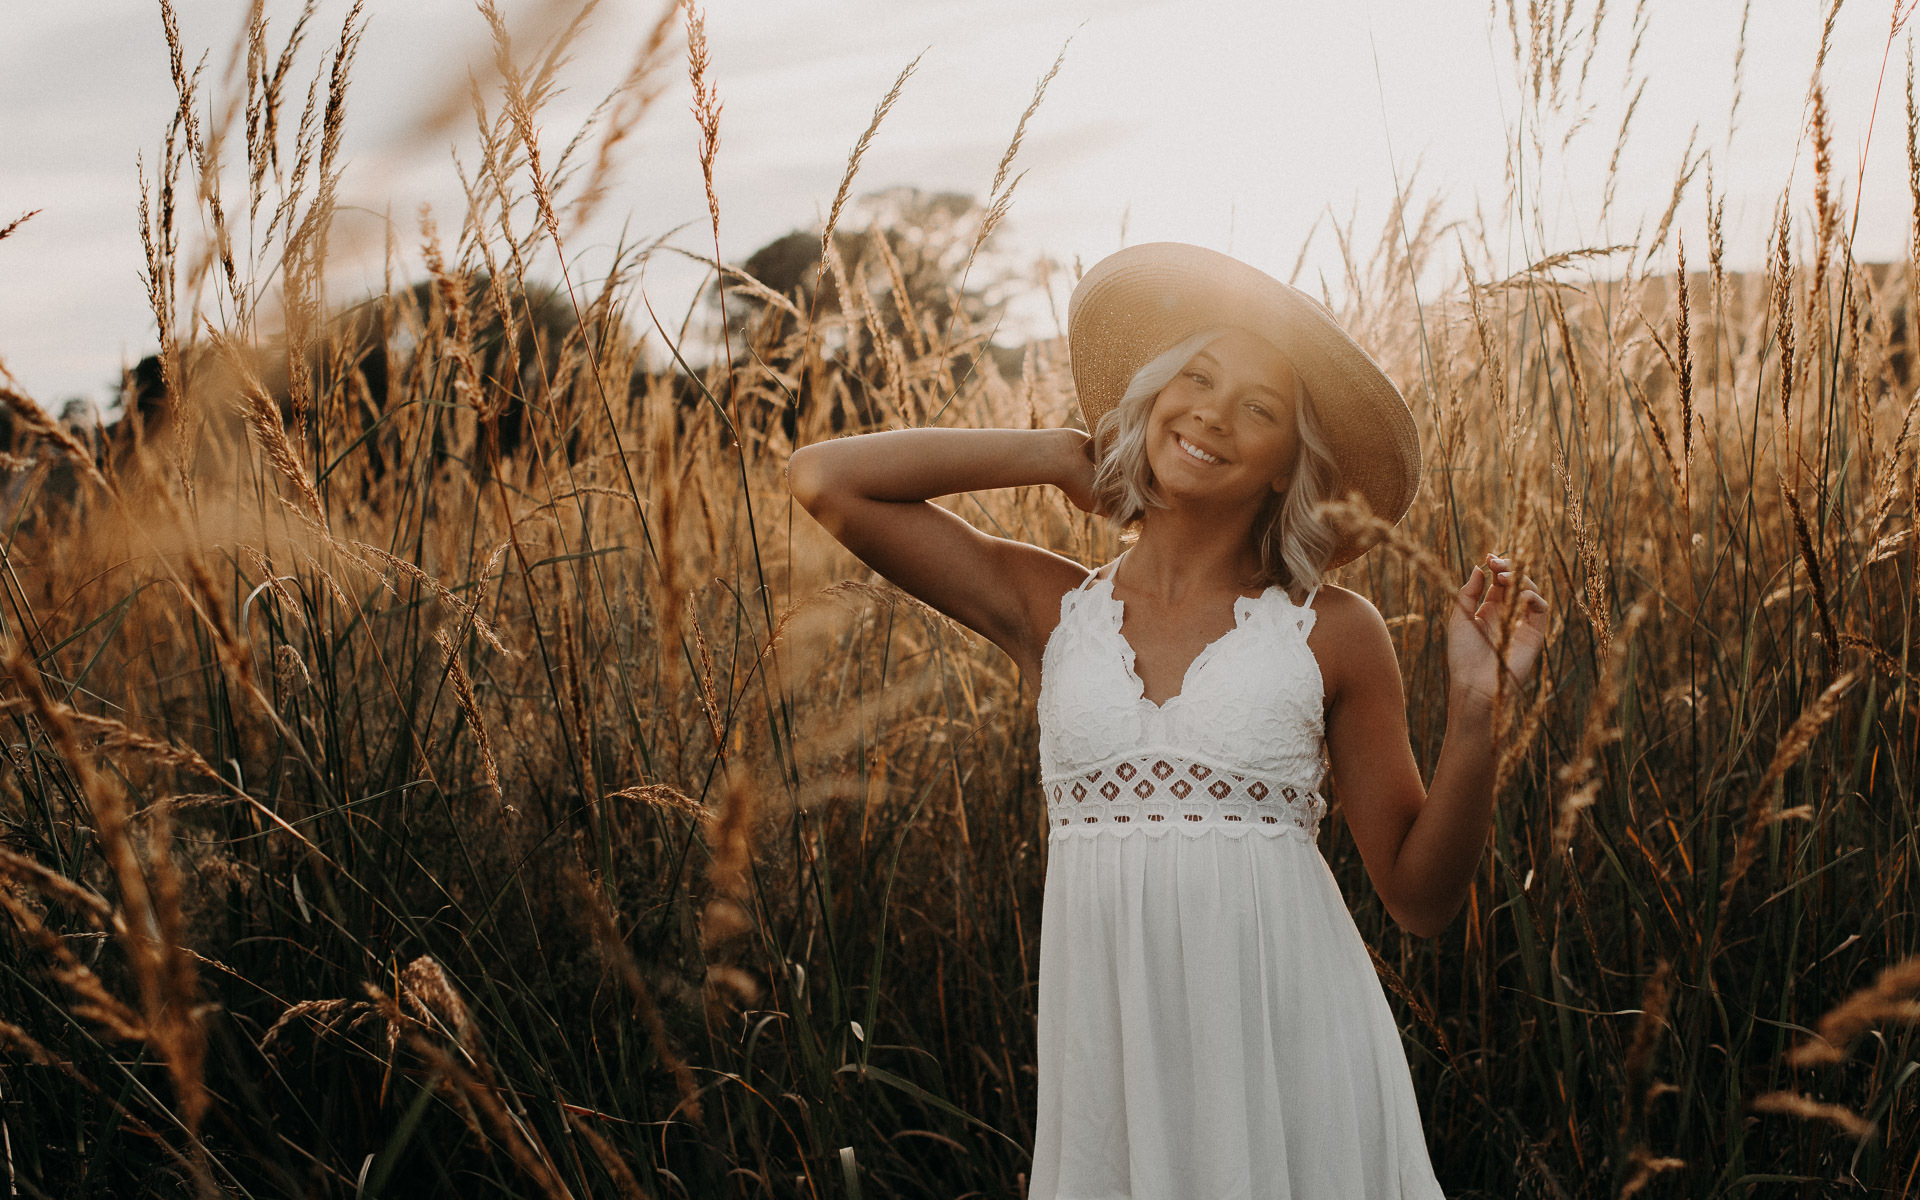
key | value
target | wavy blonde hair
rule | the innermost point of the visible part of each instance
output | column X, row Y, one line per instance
column 1294, row 540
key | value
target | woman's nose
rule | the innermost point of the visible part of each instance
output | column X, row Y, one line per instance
column 1211, row 408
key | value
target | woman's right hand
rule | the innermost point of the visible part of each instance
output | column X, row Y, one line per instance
column 1077, row 469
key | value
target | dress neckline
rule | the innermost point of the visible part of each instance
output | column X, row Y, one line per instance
column 1243, row 607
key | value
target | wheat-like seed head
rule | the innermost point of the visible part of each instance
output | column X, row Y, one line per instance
column 1806, row 1108
column 1893, row 996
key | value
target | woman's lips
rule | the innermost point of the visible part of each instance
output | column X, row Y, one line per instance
column 1196, row 453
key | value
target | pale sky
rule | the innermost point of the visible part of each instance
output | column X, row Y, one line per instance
column 1232, row 124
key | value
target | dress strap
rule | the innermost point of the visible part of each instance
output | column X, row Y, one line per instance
column 1095, row 574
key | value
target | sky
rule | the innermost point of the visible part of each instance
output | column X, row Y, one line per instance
column 1243, row 125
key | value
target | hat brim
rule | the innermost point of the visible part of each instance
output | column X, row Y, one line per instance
column 1142, row 301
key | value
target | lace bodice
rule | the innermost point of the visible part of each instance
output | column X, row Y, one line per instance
column 1240, row 747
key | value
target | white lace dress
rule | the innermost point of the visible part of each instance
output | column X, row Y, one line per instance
column 1210, row 1023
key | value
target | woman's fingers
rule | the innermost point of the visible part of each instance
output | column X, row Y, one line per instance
column 1488, row 589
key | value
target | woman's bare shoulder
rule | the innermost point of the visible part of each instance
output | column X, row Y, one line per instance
column 1349, row 637
column 1344, row 610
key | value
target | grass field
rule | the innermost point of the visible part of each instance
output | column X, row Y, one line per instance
column 440, row 759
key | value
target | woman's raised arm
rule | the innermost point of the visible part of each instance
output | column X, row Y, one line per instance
column 871, row 491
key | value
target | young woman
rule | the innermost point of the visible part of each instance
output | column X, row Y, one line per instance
column 1210, row 1023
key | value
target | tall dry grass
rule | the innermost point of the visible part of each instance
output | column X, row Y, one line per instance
column 442, row 762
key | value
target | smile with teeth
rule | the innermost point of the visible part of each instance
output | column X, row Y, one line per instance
column 1194, row 450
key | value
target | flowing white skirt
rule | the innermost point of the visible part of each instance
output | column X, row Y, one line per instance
column 1211, row 1028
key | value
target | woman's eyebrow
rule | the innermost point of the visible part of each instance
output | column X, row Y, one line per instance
column 1251, row 387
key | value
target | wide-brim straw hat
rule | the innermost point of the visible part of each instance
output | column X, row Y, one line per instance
column 1137, row 304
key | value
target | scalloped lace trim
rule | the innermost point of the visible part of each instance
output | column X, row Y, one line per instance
column 1156, row 794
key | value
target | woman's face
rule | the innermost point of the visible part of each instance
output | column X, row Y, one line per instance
column 1224, row 429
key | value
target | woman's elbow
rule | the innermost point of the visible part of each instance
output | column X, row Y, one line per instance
column 1422, row 921
column 1421, row 927
column 806, row 481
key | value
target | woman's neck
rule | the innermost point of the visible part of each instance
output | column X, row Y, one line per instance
column 1180, row 552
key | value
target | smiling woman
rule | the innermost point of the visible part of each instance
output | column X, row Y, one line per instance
column 1271, row 416
column 1210, row 1024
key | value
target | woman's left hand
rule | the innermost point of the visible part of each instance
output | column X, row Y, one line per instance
column 1473, row 633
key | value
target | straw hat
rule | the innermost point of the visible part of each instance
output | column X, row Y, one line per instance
column 1142, row 301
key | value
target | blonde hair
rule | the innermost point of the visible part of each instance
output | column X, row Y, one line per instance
column 1294, row 540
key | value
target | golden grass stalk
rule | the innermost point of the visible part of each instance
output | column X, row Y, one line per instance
column 463, row 695
column 753, row 287
column 634, row 96
column 1645, row 1167
column 1717, row 246
column 1539, row 272
column 91, row 999
column 1689, row 163
column 1780, row 291
column 1619, row 147
column 706, row 114
column 53, row 885
column 262, row 414
column 1739, row 71
column 1893, row 996
column 570, row 672
column 1645, row 398
column 1493, row 364
column 116, row 738
column 450, row 301
column 34, row 419
column 1912, row 322
column 290, row 672
column 150, row 928
column 1580, row 777
column 902, row 299
column 522, row 1144
column 203, row 150
column 1807, row 1108
column 425, row 988
column 1826, row 208
column 614, row 952
column 859, row 152
column 522, row 101
column 1592, row 598
column 1640, row 1087
column 22, row 1042
column 469, row 611
column 709, row 700
column 1760, row 807
column 662, row 796
column 624, row 1182
column 324, row 1015
column 1638, row 1065
column 1000, row 194
column 7, row 230
column 1683, row 375
column 1810, row 557
column 1414, row 1003
column 303, row 270
column 730, row 834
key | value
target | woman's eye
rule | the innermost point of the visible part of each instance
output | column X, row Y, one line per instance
column 1198, row 377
